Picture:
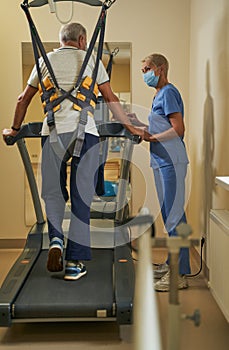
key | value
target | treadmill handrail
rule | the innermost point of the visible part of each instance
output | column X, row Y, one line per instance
column 30, row 130
column 31, row 180
column 110, row 129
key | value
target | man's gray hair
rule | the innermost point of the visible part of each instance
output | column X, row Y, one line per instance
column 157, row 60
column 71, row 32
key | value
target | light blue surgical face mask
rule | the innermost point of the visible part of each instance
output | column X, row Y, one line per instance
column 151, row 79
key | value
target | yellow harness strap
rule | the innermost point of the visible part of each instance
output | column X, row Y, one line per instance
column 48, row 86
column 82, row 95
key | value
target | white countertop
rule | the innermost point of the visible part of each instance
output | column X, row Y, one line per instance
column 222, row 181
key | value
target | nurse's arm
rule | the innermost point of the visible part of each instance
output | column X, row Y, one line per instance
column 177, row 130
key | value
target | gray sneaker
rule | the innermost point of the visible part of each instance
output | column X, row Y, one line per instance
column 164, row 283
column 160, row 270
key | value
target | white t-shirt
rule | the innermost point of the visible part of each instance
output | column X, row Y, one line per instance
column 66, row 63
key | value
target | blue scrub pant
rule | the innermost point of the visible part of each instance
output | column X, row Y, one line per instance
column 170, row 185
column 83, row 179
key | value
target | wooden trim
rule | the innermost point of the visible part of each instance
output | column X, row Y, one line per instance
column 6, row 243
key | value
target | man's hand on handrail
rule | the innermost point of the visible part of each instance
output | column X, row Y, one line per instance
column 6, row 133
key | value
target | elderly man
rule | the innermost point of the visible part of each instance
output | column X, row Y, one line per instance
column 66, row 63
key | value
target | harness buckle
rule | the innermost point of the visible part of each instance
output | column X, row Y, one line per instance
column 50, row 118
column 108, row 3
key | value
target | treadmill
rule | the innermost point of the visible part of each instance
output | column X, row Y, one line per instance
column 32, row 294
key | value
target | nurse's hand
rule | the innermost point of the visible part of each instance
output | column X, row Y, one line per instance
column 149, row 137
column 140, row 131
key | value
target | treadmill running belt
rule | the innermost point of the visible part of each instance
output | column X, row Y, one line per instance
column 47, row 295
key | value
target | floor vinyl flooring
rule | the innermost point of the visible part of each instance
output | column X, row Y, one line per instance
column 212, row 334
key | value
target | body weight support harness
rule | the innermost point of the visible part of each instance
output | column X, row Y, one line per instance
column 86, row 88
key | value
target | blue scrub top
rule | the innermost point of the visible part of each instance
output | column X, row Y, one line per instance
column 168, row 100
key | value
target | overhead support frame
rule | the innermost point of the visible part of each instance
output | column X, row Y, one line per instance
column 39, row 3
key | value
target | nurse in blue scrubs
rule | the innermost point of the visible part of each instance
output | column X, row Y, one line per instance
column 168, row 157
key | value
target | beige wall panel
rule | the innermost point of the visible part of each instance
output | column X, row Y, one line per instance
column 208, row 127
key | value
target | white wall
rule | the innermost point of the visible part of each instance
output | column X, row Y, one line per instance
column 150, row 26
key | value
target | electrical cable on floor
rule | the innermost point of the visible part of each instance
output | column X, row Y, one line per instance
column 201, row 259
column 133, row 249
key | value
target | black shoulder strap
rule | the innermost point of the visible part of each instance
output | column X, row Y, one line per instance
column 110, row 62
column 100, row 27
column 38, row 46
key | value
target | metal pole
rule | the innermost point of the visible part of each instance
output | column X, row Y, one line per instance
column 146, row 321
column 31, row 179
column 123, row 181
column 174, row 317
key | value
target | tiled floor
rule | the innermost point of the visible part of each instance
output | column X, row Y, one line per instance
column 212, row 334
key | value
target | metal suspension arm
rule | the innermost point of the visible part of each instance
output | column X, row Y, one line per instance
column 39, row 3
